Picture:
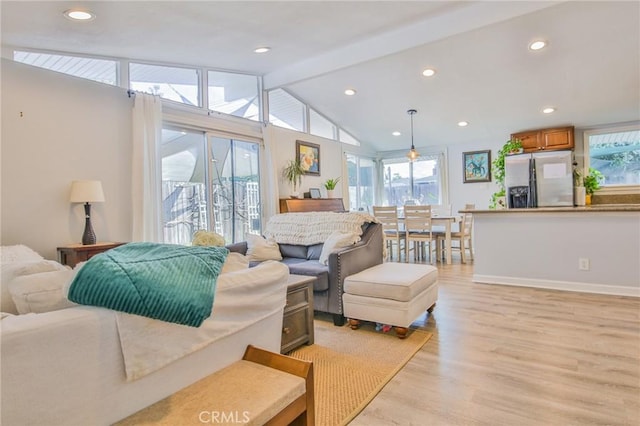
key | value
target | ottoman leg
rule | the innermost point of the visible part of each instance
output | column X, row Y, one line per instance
column 430, row 309
column 401, row 332
column 354, row 323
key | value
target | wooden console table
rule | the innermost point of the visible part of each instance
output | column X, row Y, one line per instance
column 298, row 205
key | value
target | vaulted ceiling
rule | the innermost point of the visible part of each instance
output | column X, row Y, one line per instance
column 485, row 73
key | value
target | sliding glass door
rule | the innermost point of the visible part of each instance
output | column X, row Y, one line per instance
column 228, row 205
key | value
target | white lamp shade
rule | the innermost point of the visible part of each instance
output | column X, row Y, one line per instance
column 86, row 191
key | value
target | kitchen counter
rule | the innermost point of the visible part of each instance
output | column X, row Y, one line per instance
column 591, row 208
column 593, row 249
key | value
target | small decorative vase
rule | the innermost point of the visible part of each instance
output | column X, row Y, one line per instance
column 330, row 193
column 579, row 196
column 587, row 199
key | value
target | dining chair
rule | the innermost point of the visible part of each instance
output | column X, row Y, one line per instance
column 463, row 235
column 441, row 209
column 417, row 223
column 388, row 217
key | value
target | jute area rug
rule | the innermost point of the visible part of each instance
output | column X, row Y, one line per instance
column 350, row 367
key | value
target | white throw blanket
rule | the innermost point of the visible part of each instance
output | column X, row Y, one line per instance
column 313, row 227
column 242, row 299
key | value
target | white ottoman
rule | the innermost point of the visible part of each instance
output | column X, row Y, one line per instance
column 390, row 293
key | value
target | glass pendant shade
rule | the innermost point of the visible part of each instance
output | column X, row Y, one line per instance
column 412, row 155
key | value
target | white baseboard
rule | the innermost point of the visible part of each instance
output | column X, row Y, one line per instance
column 616, row 290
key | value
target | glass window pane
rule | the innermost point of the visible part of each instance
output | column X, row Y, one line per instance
column 236, row 188
column 286, row 111
column 426, row 180
column 100, row 70
column 176, row 84
column 424, row 173
column 234, row 94
column 361, row 188
column 617, row 156
column 184, row 203
column 397, row 186
column 320, row 126
column 347, row 138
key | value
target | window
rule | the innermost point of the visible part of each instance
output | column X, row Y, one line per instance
column 234, row 94
column 173, row 83
column 100, row 70
column 361, row 174
column 347, row 138
column 235, row 187
column 419, row 181
column 615, row 152
column 184, row 199
column 320, row 126
column 230, row 206
column 286, row 111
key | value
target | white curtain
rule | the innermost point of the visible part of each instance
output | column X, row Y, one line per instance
column 270, row 175
column 146, row 175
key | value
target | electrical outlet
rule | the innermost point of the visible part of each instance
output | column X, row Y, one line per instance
column 583, row 264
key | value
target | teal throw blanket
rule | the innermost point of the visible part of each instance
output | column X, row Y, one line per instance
column 162, row 281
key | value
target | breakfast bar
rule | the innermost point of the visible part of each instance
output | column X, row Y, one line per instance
column 594, row 249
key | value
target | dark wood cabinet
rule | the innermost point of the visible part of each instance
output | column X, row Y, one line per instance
column 298, row 205
column 297, row 323
column 546, row 139
column 75, row 253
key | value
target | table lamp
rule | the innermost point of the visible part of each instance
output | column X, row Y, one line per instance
column 87, row 191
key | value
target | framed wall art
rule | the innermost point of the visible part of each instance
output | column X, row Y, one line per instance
column 309, row 155
column 476, row 166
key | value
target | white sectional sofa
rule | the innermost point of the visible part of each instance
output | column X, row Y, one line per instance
column 66, row 367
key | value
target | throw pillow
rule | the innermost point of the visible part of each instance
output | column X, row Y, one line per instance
column 206, row 238
column 235, row 262
column 259, row 249
column 18, row 253
column 10, row 271
column 336, row 241
column 42, row 292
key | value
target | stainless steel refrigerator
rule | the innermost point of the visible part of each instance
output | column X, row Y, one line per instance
column 542, row 179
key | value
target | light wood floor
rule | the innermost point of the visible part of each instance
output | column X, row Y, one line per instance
column 504, row 355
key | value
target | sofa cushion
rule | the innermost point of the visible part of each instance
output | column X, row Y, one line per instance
column 235, row 262
column 293, row 250
column 259, row 249
column 42, row 292
column 311, row 268
column 18, row 253
column 314, row 251
column 336, row 241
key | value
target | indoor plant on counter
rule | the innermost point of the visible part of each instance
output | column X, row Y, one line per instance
column 591, row 183
column 330, row 185
column 512, row 146
column 293, row 172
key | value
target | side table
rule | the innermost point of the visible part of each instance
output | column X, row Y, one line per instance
column 75, row 253
column 297, row 323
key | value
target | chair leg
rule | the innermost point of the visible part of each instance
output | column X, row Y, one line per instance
column 462, row 250
column 470, row 249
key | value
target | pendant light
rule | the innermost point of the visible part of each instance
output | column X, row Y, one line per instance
column 412, row 155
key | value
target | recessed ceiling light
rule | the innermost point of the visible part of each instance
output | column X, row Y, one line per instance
column 429, row 72
column 350, row 92
column 263, row 49
column 548, row 110
column 396, row 133
column 537, row 45
column 79, row 15
column 463, row 123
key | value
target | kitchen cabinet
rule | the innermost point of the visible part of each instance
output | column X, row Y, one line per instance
column 546, row 139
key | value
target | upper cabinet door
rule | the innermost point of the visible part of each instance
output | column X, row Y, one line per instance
column 546, row 139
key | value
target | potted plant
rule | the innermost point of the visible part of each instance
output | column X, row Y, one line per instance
column 591, row 183
column 292, row 172
column 512, row 146
column 330, row 185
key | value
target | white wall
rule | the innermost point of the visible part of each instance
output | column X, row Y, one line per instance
column 331, row 161
column 55, row 129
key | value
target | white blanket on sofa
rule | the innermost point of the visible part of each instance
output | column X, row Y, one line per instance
column 242, row 298
column 313, row 227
